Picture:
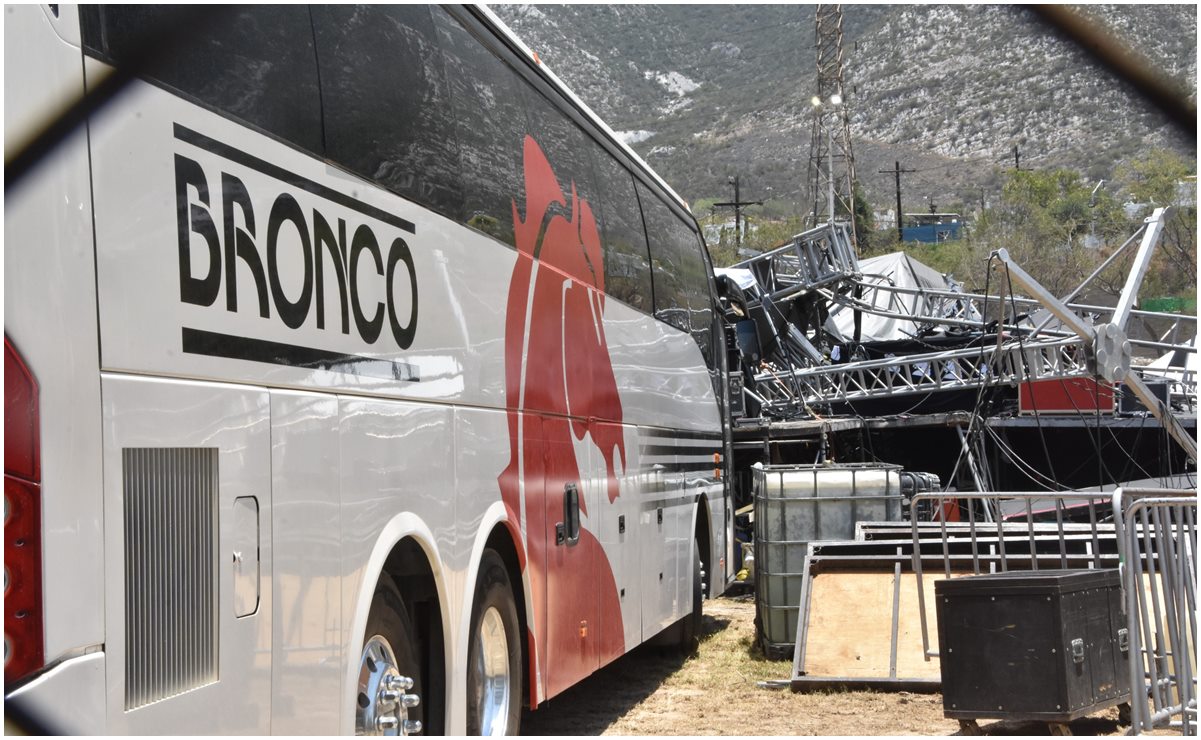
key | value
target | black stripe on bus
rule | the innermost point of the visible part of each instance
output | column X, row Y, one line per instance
column 682, row 451
column 678, row 434
column 213, row 344
column 185, row 134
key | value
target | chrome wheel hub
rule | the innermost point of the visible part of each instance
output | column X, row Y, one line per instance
column 382, row 704
column 492, row 669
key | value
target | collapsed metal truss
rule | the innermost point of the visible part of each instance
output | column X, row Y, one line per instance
column 820, row 267
column 943, row 371
column 813, row 259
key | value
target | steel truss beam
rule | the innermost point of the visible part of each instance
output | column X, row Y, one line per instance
column 927, row 373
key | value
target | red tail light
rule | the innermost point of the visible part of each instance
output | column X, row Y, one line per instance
column 23, row 651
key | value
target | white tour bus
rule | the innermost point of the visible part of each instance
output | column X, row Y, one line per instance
column 357, row 378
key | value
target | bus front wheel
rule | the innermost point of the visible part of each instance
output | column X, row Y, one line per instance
column 494, row 654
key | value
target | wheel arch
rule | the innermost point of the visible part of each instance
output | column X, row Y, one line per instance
column 703, row 535
column 406, row 552
column 501, row 540
column 498, row 532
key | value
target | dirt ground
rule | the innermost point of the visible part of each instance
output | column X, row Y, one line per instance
column 715, row 692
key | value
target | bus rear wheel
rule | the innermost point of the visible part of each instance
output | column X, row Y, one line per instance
column 690, row 626
column 494, row 653
column 387, row 700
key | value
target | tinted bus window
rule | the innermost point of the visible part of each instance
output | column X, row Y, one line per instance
column 569, row 152
column 490, row 125
column 680, row 276
column 253, row 62
column 700, row 294
column 627, row 262
column 567, row 148
column 387, row 108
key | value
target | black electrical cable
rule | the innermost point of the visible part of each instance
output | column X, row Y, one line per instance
column 979, row 363
column 1026, row 371
column 1031, row 472
column 1083, row 417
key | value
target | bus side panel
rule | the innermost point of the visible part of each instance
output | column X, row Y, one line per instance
column 660, row 373
column 307, row 581
column 616, row 526
column 657, row 553
column 50, row 317
column 397, row 458
column 578, row 580
column 164, row 598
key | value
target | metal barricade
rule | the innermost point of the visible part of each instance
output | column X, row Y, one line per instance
column 1157, row 540
column 1012, row 541
column 1155, row 535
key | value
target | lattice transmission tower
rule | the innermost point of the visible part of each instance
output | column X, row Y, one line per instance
column 831, row 161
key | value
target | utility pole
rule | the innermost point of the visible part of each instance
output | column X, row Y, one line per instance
column 737, row 205
column 897, row 172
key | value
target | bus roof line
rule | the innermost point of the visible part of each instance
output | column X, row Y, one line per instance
column 502, row 29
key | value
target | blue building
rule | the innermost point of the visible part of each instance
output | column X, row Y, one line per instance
column 931, row 227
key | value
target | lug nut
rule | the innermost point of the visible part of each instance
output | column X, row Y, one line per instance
column 412, row 726
column 386, row 722
column 389, row 696
column 409, row 701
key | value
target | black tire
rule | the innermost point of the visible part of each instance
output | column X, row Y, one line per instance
column 1125, row 714
column 493, row 590
column 690, row 626
column 389, row 619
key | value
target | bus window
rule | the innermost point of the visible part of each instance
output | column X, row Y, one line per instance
column 700, row 296
column 680, row 276
column 627, row 263
column 387, row 109
column 490, row 125
column 567, row 149
column 256, row 62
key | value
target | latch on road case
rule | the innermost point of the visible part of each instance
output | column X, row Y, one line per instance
column 1078, row 650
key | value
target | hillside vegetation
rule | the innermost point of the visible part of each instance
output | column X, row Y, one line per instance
column 703, row 92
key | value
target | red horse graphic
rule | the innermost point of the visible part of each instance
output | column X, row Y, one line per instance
column 559, row 381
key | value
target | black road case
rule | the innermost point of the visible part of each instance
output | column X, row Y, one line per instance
column 1046, row 645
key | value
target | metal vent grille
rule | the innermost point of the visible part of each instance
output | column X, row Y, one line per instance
column 170, row 571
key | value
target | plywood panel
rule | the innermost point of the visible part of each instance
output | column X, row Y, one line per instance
column 850, row 626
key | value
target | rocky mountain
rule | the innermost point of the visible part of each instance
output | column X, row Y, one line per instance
column 706, row 91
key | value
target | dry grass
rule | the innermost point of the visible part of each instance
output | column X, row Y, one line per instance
column 715, row 692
